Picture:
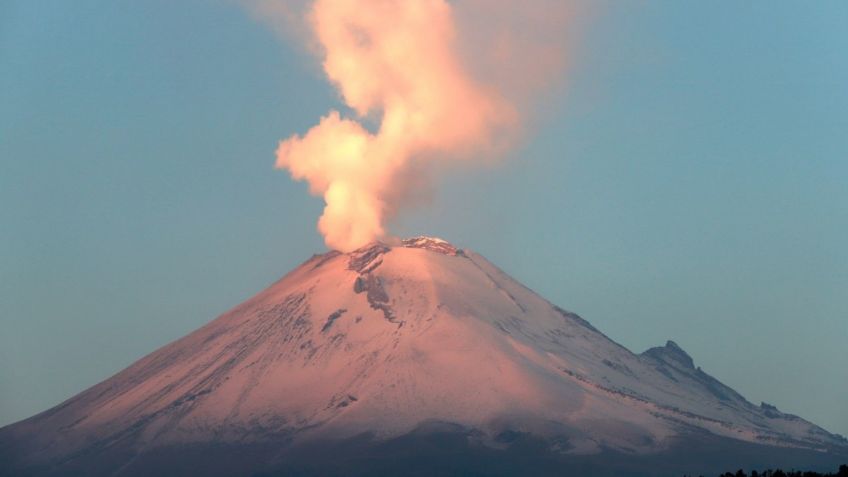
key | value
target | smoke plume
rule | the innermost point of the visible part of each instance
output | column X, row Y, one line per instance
column 438, row 81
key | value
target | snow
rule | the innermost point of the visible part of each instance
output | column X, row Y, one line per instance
column 387, row 337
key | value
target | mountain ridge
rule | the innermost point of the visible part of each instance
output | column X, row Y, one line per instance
column 389, row 338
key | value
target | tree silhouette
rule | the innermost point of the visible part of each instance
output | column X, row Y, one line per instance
column 842, row 472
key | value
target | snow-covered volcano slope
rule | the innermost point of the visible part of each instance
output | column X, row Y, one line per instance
column 386, row 338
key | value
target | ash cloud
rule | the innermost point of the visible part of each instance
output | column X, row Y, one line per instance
column 445, row 83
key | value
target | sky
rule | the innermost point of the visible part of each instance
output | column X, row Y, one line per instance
column 689, row 182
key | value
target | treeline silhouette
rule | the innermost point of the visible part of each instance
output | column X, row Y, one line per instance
column 842, row 472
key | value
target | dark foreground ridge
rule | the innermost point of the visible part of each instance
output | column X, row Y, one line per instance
column 434, row 449
column 842, row 472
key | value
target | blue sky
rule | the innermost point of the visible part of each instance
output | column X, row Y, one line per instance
column 688, row 184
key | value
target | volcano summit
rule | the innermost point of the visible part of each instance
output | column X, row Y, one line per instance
column 416, row 358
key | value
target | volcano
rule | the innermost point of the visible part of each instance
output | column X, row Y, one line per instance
column 415, row 358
